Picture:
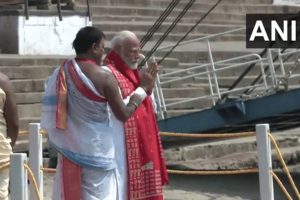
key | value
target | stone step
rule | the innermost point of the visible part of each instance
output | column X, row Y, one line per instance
column 28, row 60
column 244, row 8
column 179, row 28
column 191, row 82
column 185, row 55
column 198, row 52
column 151, row 11
column 177, row 36
column 235, row 71
column 258, row 91
column 166, row 2
column 223, row 11
column 195, row 104
column 31, row 101
column 225, row 81
column 168, row 61
column 202, row 81
column 141, row 18
column 29, row 97
column 176, row 83
column 226, row 153
column 235, row 161
column 29, row 104
column 201, row 45
column 24, row 122
column 183, row 92
column 166, row 70
column 27, row 72
column 223, row 7
column 178, row 112
column 14, row 62
column 22, row 143
column 28, row 85
column 29, row 110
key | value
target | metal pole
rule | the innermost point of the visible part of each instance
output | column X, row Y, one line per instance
column 159, row 101
column 213, row 69
column 59, row 10
column 162, row 97
column 36, row 157
column 271, row 67
column 18, row 177
column 264, row 162
column 26, row 9
column 281, row 63
column 210, row 87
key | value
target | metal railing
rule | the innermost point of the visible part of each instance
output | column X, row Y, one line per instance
column 269, row 81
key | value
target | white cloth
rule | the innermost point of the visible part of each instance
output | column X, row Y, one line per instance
column 5, row 150
column 94, row 139
column 2, row 119
column 86, row 141
column 96, row 184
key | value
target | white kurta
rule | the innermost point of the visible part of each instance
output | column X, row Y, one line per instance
column 94, row 139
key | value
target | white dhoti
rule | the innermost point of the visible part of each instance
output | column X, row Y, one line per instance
column 96, row 184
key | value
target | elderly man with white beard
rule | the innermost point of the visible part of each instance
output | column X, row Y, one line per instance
column 141, row 163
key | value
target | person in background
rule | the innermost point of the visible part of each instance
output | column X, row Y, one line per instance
column 9, row 128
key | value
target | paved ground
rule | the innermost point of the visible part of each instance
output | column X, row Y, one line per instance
column 223, row 187
column 238, row 187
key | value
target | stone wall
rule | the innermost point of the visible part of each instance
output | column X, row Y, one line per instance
column 42, row 34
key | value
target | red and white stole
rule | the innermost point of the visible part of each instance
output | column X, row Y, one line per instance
column 145, row 160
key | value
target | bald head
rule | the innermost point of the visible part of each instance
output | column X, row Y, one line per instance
column 127, row 46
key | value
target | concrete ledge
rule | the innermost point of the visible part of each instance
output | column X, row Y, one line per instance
column 52, row 12
column 42, row 34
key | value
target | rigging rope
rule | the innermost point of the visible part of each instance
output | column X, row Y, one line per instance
column 34, row 182
column 208, row 135
column 197, row 23
column 158, row 22
column 170, row 28
column 285, row 168
column 288, row 196
column 213, row 172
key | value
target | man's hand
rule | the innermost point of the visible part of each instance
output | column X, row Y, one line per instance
column 149, row 76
